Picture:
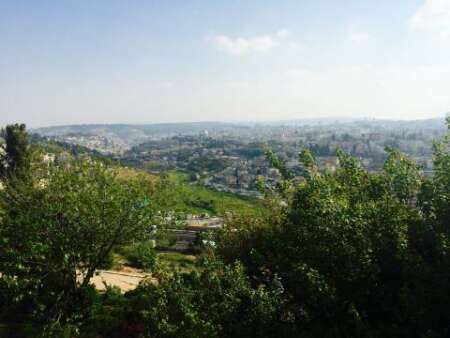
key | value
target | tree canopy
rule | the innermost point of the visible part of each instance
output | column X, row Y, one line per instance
column 58, row 229
column 16, row 153
column 358, row 253
column 342, row 253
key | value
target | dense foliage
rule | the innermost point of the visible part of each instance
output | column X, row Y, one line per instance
column 15, row 152
column 358, row 254
column 344, row 253
column 57, row 229
column 140, row 255
column 217, row 302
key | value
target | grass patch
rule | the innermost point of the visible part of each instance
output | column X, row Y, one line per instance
column 175, row 261
column 197, row 199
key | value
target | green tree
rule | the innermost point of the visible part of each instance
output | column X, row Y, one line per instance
column 358, row 253
column 16, row 152
column 56, row 231
column 219, row 301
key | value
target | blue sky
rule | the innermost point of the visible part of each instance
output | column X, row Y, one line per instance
column 167, row 61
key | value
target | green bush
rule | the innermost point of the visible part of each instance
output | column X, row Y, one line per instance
column 108, row 262
column 141, row 255
column 359, row 254
column 103, row 318
column 59, row 223
column 217, row 302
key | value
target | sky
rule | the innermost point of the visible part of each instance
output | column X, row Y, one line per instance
column 149, row 61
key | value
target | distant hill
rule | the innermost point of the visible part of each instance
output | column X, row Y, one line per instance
column 131, row 134
column 125, row 136
column 55, row 147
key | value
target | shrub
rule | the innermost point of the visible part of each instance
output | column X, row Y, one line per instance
column 141, row 255
column 217, row 302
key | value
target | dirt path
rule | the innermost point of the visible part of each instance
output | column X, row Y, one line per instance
column 125, row 280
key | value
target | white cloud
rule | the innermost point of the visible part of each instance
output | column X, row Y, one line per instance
column 261, row 43
column 242, row 45
column 283, row 33
column 355, row 34
column 434, row 17
column 295, row 45
column 358, row 37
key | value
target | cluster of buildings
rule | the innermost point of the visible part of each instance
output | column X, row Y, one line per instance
column 231, row 159
column 99, row 143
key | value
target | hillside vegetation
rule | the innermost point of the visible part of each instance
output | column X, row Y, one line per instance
column 343, row 253
column 194, row 198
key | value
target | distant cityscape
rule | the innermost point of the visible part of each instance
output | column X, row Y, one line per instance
column 229, row 157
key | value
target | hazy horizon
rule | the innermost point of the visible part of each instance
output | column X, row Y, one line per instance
column 242, row 121
column 250, row 122
column 140, row 62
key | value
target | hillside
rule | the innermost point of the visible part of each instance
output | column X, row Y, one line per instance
column 131, row 134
